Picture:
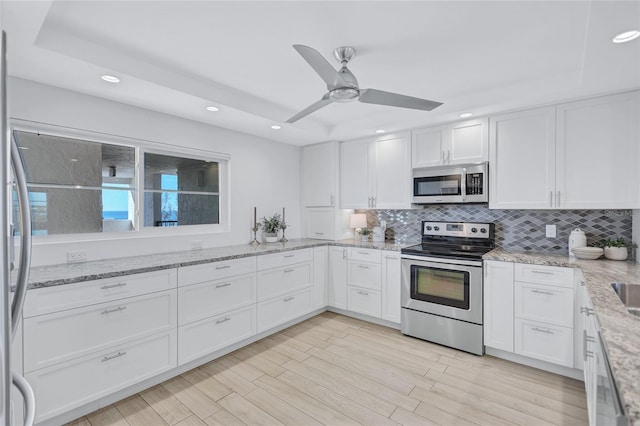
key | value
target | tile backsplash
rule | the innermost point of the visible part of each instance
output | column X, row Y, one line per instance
column 518, row 230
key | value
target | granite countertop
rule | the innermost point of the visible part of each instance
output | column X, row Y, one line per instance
column 620, row 329
column 67, row 273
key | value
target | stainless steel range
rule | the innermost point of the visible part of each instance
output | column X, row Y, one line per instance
column 442, row 284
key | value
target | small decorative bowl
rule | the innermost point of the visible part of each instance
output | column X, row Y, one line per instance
column 588, row 253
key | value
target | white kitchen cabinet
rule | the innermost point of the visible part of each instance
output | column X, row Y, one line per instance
column 338, row 277
column 320, row 223
column 320, row 276
column 208, row 272
column 320, row 174
column 283, row 280
column 498, row 305
column 376, row 173
column 391, row 286
column 544, row 341
column 281, row 309
column 457, row 143
column 364, row 301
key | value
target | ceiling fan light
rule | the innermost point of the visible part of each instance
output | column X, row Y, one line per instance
column 344, row 94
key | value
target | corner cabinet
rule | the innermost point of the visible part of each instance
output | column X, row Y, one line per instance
column 498, row 305
column 376, row 174
column 320, row 174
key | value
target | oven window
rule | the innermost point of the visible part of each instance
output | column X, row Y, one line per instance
column 437, row 186
column 440, row 286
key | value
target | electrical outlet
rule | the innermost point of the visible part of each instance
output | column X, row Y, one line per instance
column 76, row 256
column 197, row 245
column 550, row 231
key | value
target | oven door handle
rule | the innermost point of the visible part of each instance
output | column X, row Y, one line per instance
column 463, row 184
column 477, row 263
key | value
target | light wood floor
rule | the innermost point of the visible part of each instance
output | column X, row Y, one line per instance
column 336, row 370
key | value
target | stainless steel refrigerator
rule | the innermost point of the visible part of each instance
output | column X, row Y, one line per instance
column 12, row 293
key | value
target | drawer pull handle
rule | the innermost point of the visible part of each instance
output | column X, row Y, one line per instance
column 289, row 255
column 589, row 354
column 223, row 285
column 363, row 266
column 289, row 270
column 223, row 267
column 225, row 319
column 542, row 272
column 109, row 311
column 319, row 233
column 288, row 299
column 548, row 293
column 364, row 252
column 364, row 293
column 589, row 338
column 542, row 330
column 585, row 310
column 107, row 287
column 582, row 283
column 109, row 358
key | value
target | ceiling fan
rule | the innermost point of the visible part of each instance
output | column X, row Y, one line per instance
column 342, row 85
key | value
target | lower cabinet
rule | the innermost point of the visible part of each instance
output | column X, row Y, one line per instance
column 364, row 301
column 498, row 305
column 337, row 293
column 281, row 309
column 391, row 286
column 546, row 342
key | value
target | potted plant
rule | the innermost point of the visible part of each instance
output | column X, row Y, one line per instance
column 271, row 226
column 364, row 234
column 614, row 249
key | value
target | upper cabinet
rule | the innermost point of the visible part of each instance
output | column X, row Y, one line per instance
column 576, row 155
column 458, row 143
column 376, row 173
column 320, row 174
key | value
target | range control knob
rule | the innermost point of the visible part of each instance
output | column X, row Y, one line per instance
column 428, row 228
column 436, row 228
column 474, row 230
column 483, row 230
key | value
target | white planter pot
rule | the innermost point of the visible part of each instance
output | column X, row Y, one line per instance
column 271, row 238
column 365, row 238
column 616, row 253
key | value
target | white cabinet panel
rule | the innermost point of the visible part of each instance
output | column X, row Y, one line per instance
column 366, row 255
column 549, row 304
column 275, row 282
column 365, row 274
column 216, row 270
column 321, row 223
column 320, row 276
column 355, row 190
column 364, row 301
column 284, row 308
column 276, row 260
column 429, row 147
column 391, row 286
column 338, row 277
column 319, row 174
column 392, row 174
column 498, row 305
column 549, row 275
column 551, row 343
column 469, row 142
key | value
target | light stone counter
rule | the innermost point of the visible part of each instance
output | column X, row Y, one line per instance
column 620, row 330
column 53, row 275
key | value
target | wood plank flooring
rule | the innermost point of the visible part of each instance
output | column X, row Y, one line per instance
column 336, row 370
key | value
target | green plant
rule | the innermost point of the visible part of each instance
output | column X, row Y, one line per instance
column 364, row 231
column 620, row 242
column 273, row 223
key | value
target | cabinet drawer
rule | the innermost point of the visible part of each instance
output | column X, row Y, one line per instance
column 365, row 274
column 65, row 386
column 215, row 270
column 204, row 337
column 274, row 282
column 53, row 299
column 276, row 260
column 57, row 337
column 199, row 301
column 551, row 275
column 364, row 301
column 544, row 303
column 551, row 343
column 368, row 255
column 285, row 308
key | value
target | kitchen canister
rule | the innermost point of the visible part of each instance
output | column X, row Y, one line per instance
column 577, row 238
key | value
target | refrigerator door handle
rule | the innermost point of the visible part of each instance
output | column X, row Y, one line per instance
column 29, row 398
column 25, row 237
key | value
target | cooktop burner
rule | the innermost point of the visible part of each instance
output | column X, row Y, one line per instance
column 462, row 240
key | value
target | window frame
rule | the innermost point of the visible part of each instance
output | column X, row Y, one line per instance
column 140, row 146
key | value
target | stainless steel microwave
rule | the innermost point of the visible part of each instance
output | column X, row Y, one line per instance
column 465, row 183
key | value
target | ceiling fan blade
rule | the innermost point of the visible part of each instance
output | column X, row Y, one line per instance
column 311, row 108
column 321, row 66
column 379, row 97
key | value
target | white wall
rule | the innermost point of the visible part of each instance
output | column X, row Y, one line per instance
column 263, row 173
column 635, row 231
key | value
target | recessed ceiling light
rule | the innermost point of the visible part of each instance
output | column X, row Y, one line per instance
column 74, row 159
column 626, row 36
column 23, row 147
column 380, row 131
column 110, row 78
column 466, row 115
column 212, row 109
column 276, row 127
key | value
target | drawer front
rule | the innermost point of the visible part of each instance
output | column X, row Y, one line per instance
column 367, row 255
column 65, row 386
column 546, row 342
column 200, row 301
column 550, row 275
column 365, row 274
column 204, row 337
column 284, row 308
column 277, row 260
column 53, row 299
column 544, row 303
column 364, row 301
column 57, row 337
column 276, row 282
column 216, row 270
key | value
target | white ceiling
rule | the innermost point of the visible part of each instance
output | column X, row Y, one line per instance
column 179, row 56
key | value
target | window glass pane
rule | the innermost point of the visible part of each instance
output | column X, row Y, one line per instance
column 188, row 174
column 177, row 209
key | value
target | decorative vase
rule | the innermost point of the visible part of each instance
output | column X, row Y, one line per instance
column 616, row 253
column 271, row 237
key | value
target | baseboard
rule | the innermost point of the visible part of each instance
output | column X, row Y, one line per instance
column 573, row 373
column 364, row 317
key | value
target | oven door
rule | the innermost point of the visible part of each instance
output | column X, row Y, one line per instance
column 440, row 287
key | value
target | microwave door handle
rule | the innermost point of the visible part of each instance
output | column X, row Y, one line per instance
column 464, row 184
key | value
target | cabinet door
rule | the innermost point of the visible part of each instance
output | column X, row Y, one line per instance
column 320, row 270
column 338, row 277
column 354, row 175
column 428, row 147
column 391, row 286
column 392, row 174
column 319, row 174
column 498, row 305
column 469, row 142
column 522, row 148
column 597, row 153
column 321, row 223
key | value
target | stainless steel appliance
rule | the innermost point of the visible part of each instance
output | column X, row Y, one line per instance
column 466, row 183
column 442, row 284
column 11, row 302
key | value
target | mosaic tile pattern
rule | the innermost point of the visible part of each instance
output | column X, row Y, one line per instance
column 516, row 230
